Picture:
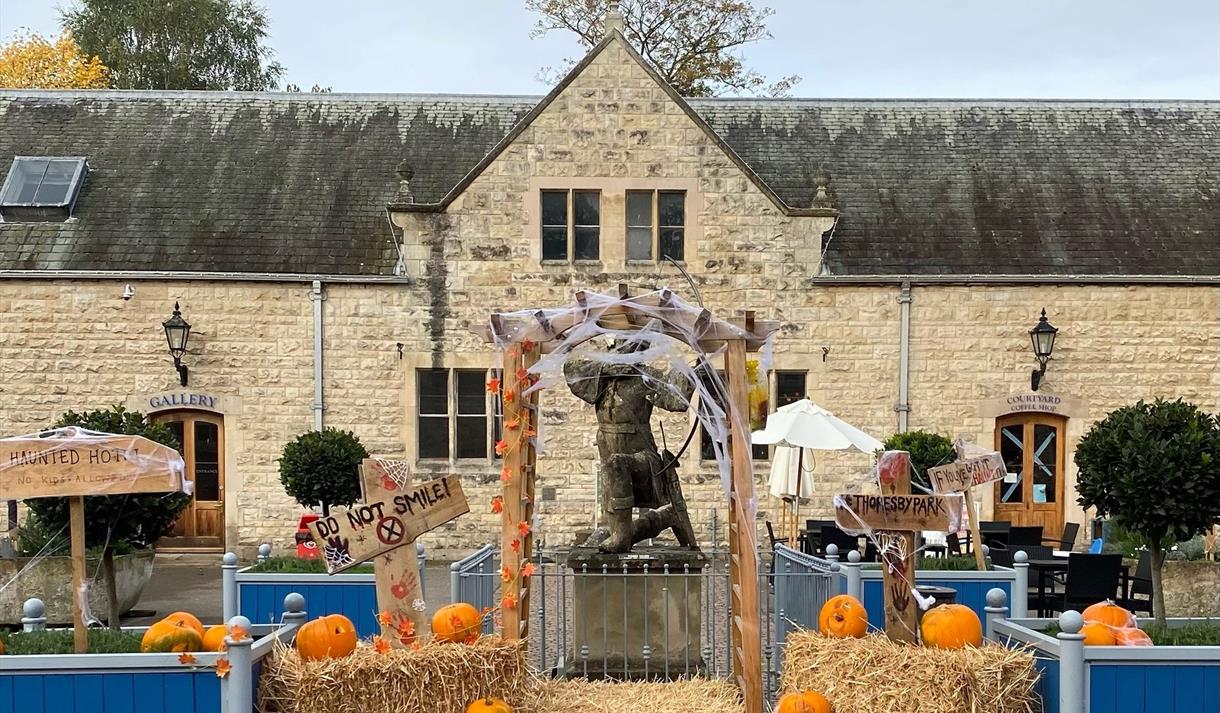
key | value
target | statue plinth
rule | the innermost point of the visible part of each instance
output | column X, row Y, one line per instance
column 639, row 624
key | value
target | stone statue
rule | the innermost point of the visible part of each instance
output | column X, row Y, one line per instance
column 634, row 473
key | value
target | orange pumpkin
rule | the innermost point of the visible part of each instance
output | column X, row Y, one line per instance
column 214, row 638
column 170, row 636
column 186, row 619
column 804, row 702
column 951, row 626
column 1110, row 614
column 457, row 623
column 1132, row 637
column 1098, row 634
column 331, row 636
column 488, row 705
column 843, row 617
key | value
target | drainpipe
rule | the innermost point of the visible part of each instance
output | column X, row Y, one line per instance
column 319, row 405
column 904, row 356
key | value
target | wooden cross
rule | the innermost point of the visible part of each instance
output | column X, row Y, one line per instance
column 396, row 572
column 383, row 529
column 962, row 475
column 74, row 465
column 894, row 516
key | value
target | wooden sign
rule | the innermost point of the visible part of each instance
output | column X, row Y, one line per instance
column 87, row 465
column 399, row 591
column 364, row 531
column 897, row 550
column 964, row 474
column 896, row 512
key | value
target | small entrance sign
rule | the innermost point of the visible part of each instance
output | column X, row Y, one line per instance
column 366, row 530
column 895, row 512
column 962, row 475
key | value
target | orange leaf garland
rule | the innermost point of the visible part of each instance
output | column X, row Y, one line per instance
column 384, row 618
column 187, row 659
column 523, row 374
column 238, row 633
column 512, row 424
column 223, row 667
column 381, row 645
column 515, row 546
column 497, row 504
column 523, row 529
column 509, row 601
column 506, row 474
column 527, row 570
column 509, row 396
column 501, row 447
column 527, row 345
column 506, row 574
column 493, row 385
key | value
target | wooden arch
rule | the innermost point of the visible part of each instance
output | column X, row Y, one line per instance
column 525, row 336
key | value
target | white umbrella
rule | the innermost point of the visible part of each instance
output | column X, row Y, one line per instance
column 800, row 426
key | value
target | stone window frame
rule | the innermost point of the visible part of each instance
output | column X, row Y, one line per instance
column 612, row 250
column 493, row 412
column 571, row 226
column 654, row 226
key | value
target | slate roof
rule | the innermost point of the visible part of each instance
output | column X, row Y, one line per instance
column 282, row 183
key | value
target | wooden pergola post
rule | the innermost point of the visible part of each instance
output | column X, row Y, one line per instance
column 520, row 463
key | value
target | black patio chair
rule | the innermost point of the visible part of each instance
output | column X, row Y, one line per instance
column 1019, row 536
column 1000, row 556
column 774, row 541
column 1067, row 540
column 994, row 532
column 1139, row 583
column 953, row 544
column 1090, row 579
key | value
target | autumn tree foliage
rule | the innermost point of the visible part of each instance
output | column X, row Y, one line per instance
column 694, row 44
column 30, row 61
column 177, row 44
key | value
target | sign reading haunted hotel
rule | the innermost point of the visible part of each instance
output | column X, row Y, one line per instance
column 86, row 465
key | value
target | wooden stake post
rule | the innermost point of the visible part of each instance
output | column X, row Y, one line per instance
column 895, row 516
column 396, row 572
column 519, row 470
column 77, row 465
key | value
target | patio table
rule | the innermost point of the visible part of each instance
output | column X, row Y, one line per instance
column 1047, row 567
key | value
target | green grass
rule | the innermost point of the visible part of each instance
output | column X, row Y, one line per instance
column 292, row 565
column 1202, row 634
column 60, row 641
column 937, row 564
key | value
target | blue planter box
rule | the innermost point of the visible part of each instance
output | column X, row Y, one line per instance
column 1124, row 679
column 971, row 588
column 260, row 597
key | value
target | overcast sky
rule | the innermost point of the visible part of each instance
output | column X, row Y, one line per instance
column 1120, row 49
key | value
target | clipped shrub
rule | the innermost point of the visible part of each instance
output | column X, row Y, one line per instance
column 927, row 450
column 323, row 467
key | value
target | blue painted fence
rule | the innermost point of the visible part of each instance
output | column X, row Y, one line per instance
column 145, row 692
column 970, row 592
column 1153, row 688
column 260, row 597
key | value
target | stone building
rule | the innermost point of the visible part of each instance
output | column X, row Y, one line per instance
column 333, row 254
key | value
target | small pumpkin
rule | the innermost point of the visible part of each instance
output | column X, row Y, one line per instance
column 172, row 637
column 843, row 617
column 332, row 636
column 803, row 702
column 488, row 705
column 1132, row 637
column 187, row 619
column 214, row 638
column 456, row 623
column 1098, row 634
column 1110, row 614
column 951, row 626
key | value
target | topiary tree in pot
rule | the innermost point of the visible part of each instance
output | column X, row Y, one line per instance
column 927, row 450
column 112, row 522
column 323, row 467
column 1155, row 470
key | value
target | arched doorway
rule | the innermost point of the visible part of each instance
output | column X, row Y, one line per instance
column 1033, row 446
column 202, row 525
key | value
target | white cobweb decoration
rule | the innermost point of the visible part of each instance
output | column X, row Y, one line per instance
column 398, row 471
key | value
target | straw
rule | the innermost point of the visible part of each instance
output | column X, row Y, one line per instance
column 692, row 695
column 876, row 675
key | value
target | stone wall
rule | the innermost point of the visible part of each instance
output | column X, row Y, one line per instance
column 1191, row 588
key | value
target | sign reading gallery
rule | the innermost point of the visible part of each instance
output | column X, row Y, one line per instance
column 161, row 402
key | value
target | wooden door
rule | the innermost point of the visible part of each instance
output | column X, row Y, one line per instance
column 1032, row 446
column 201, row 525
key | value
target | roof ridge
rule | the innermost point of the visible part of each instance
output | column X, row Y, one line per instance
column 137, row 94
column 850, row 101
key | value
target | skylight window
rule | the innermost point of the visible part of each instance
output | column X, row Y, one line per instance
column 41, row 187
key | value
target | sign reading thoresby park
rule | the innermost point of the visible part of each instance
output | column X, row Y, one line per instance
column 369, row 529
column 87, row 464
column 963, row 474
column 895, row 512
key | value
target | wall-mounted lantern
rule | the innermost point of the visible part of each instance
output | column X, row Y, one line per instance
column 1042, row 336
column 177, row 332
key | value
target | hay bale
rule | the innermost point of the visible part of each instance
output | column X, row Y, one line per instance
column 692, row 695
column 876, row 675
column 440, row 678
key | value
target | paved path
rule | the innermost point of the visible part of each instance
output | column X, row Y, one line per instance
column 192, row 583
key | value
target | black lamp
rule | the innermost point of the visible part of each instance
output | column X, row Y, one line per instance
column 1042, row 336
column 177, row 332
